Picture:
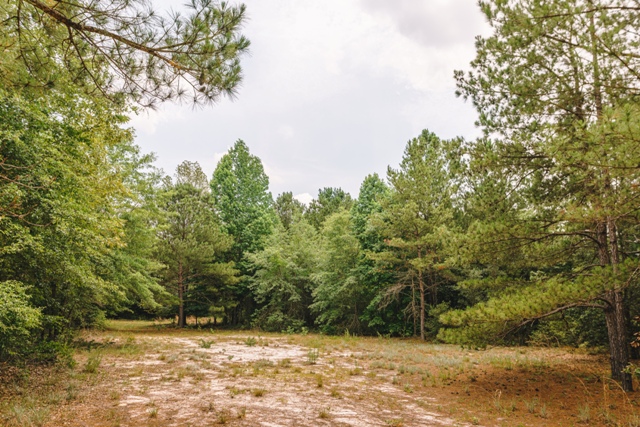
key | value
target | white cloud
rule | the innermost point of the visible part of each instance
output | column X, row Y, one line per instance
column 304, row 198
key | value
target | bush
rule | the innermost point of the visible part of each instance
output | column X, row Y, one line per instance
column 18, row 319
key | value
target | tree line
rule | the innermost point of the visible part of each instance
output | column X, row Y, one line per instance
column 527, row 234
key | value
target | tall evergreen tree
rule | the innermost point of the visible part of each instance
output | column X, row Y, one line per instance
column 556, row 86
column 416, row 221
column 191, row 241
column 379, row 314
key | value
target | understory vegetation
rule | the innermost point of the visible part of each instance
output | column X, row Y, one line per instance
column 527, row 235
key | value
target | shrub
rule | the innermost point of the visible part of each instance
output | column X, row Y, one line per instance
column 18, row 319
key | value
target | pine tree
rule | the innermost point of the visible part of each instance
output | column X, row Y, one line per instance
column 191, row 241
column 416, row 221
column 556, row 86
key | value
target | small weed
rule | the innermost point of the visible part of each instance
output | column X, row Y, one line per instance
column 408, row 388
column 27, row 416
column 171, row 358
column 584, row 413
column 250, row 341
column 153, row 413
column 324, row 413
column 235, row 391
column 242, row 413
column 355, row 371
column 222, row 417
column 496, row 400
column 335, row 393
column 93, row 362
column 396, row 422
column 72, row 392
column 543, row 411
column 319, row 381
column 206, row 343
column 262, row 363
column 284, row 363
column 312, row 356
column 531, row 405
column 259, row 392
column 475, row 421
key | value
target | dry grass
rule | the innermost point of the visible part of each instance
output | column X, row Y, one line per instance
column 145, row 374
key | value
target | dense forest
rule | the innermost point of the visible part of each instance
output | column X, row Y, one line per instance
column 529, row 234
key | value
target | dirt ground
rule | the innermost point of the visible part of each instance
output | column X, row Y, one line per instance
column 146, row 375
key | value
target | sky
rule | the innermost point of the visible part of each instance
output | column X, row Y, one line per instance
column 332, row 91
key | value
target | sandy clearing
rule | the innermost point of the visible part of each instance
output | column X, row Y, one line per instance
column 185, row 384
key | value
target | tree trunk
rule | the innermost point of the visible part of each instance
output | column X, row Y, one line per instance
column 422, row 307
column 617, row 332
column 181, row 317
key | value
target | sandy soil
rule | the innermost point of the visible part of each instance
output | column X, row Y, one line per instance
column 271, row 383
column 152, row 376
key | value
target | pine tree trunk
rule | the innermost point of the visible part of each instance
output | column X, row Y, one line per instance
column 181, row 317
column 617, row 331
column 422, row 307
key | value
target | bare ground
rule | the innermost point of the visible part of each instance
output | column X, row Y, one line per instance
column 199, row 378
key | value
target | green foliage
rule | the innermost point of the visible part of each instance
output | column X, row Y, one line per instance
column 330, row 200
column 288, row 209
column 282, row 281
column 71, row 178
column 240, row 190
column 18, row 320
column 573, row 327
column 191, row 242
column 338, row 296
column 122, row 49
column 556, row 85
column 417, row 222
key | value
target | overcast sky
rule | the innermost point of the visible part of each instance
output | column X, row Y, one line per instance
column 332, row 91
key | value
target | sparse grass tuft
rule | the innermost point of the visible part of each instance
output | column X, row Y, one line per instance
column 543, row 412
column 258, row 392
column 325, row 413
column 584, row 413
column 312, row 356
column 93, row 362
column 206, row 343
column 531, row 405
